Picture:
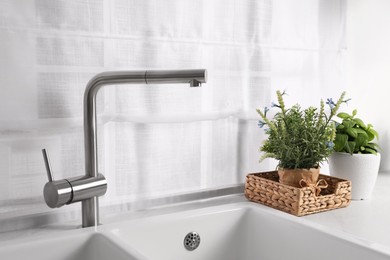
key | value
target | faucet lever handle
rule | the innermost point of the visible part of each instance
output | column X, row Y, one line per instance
column 56, row 193
column 47, row 164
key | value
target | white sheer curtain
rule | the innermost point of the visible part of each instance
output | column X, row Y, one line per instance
column 154, row 140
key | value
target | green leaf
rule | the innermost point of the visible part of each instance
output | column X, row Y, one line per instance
column 343, row 115
column 373, row 132
column 350, row 147
column 361, row 140
column 352, row 132
column 354, row 112
column 371, row 136
column 348, row 123
column 371, row 151
column 340, row 142
column 361, row 131
column 373, row 146
column 360, row 123
column 340, row 127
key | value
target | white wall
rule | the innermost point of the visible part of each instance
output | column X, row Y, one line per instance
column 50, row 49
column 368, row 41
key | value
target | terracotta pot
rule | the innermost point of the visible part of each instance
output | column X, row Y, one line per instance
column 293, row 177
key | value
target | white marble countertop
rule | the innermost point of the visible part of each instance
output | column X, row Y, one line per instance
column 366, row 219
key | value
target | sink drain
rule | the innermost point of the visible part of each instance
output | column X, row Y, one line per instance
column 191, row 241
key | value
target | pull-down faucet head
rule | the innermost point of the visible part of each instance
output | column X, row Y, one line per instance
column 194, row 77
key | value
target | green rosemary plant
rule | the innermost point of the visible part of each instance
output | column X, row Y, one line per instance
column 354, row 136
column 299, row 138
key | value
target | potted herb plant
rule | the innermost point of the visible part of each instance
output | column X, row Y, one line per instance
column 300, row 139
column 356, row 156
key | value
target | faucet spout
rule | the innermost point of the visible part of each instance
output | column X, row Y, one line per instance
column 90, row 212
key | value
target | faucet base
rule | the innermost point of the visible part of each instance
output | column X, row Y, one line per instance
column 90, row 212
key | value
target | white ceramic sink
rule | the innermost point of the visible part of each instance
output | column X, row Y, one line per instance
column 228, row 231
column 85, row 246
column 238, row 231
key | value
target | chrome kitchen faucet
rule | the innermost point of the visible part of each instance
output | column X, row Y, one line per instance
column 88, row 187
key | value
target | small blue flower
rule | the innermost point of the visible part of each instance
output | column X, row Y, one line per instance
column 261, row 124
column 273, row 104
column 266, row 130
column 329, row 144
column 330, row 102
column 266, row 109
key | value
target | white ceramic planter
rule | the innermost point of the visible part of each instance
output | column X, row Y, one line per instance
column 360, row 169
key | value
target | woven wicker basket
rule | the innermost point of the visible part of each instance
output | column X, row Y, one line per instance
column 265, row 188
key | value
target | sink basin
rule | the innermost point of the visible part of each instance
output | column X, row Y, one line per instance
column 227, row 231
column 238, row 231
column 87, row 246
